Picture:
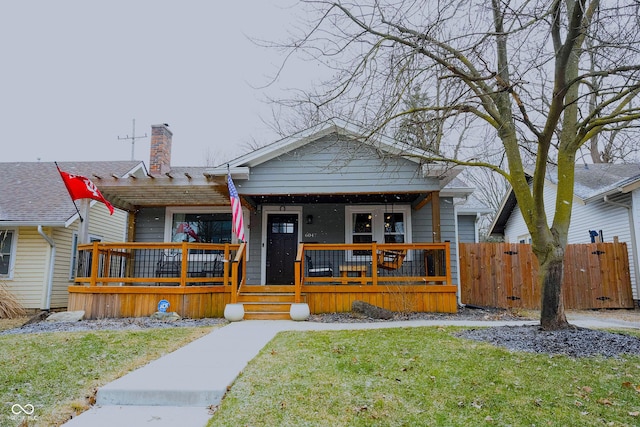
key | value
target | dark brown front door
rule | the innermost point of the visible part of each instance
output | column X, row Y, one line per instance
column 282, row 242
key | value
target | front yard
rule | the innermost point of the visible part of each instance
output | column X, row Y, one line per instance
column 426, row 376
column 59, row 373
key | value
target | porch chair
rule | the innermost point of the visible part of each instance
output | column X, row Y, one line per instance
column 169, row 266
column 391, row 259
column 322, row 270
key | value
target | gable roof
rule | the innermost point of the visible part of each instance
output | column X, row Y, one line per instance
column 33, row 193
column 349, row 131
column 592, row 182
column 208, row 185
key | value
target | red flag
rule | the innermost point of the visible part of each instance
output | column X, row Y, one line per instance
column 236, row 210
column 80, row 187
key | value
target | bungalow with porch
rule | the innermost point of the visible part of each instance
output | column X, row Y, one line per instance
column 330, row 217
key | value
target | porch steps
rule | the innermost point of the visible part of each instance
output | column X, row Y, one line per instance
column 270, row 302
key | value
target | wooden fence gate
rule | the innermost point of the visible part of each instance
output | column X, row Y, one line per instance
column 596, row 275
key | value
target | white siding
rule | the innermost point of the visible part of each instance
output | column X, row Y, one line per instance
column 613, row 220
column 33, row 252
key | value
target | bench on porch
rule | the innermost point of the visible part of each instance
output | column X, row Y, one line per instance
column 320, row 270
column 171, row 266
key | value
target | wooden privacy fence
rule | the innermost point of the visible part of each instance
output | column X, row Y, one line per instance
column 596, row 275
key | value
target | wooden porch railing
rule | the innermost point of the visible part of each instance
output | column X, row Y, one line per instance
column 159, row 264
column 238, row 267
column 372, row 265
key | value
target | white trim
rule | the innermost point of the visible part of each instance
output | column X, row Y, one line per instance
column 266, row 210
column 12, row 252
column 378, row 212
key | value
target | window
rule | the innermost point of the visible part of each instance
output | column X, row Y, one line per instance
column 393, row 227
column 193, row 224
column 362, row 231
column 283, row 228
column 7, row 252
column 524, row 239
column 201, row 227
column 379, row 223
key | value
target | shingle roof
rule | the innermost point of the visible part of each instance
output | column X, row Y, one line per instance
column 33, row 192
column 598, row 179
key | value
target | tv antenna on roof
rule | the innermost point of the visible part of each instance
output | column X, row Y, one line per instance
column 133, row 138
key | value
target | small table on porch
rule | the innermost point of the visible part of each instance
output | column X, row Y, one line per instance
column 359, row 269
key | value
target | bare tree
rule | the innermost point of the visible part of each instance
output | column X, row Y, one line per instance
column 516, row 73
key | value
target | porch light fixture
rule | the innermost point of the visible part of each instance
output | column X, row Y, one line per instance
column 309, row 219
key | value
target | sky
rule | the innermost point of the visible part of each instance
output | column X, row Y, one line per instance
column 75, row 74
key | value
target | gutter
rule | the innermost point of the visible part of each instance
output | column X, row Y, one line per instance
column 457, row 245
column 634, row 243
column 52, row 258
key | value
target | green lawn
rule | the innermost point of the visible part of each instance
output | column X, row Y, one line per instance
column 425, row 377
column 58, row 373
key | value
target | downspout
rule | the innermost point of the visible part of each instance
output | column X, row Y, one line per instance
column 52, row 258
column 457, row 245
column 634, row 245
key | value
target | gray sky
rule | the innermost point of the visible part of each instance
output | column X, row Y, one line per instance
column 75, row 73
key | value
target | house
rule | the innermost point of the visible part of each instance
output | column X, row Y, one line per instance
column 39, row 227
column 606, row 205
column 317, row 206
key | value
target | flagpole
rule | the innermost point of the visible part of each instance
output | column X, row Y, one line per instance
column 73, row 201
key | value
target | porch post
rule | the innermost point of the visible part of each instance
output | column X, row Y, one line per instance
column 435, row 216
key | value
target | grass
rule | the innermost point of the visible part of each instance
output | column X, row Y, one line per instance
column 58, row 373
column 427, row 377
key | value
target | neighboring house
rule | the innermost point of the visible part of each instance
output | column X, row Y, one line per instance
column 39, row 228
column 606, row 204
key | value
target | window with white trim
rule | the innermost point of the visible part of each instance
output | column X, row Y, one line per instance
column 377, row 223
column 8, row 242
column 524, row 239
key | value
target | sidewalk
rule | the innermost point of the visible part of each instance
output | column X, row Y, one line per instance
column 180, row 387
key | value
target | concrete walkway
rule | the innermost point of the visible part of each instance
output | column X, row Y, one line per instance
column 179, row 388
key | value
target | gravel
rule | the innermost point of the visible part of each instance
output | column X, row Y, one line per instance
column 130, row 324
column 572, row 342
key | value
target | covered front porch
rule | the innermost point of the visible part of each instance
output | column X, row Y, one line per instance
column 200, row 279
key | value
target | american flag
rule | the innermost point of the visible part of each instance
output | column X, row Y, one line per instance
column 236, row 209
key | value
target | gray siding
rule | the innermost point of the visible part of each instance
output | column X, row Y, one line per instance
column 467, row 228
column 327, row 167
column 148, row 228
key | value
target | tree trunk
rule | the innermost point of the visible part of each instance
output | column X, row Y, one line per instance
column 552, row 315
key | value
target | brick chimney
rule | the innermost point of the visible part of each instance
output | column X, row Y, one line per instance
column 160, row 156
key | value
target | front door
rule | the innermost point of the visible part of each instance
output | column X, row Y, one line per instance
column 282, row 243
